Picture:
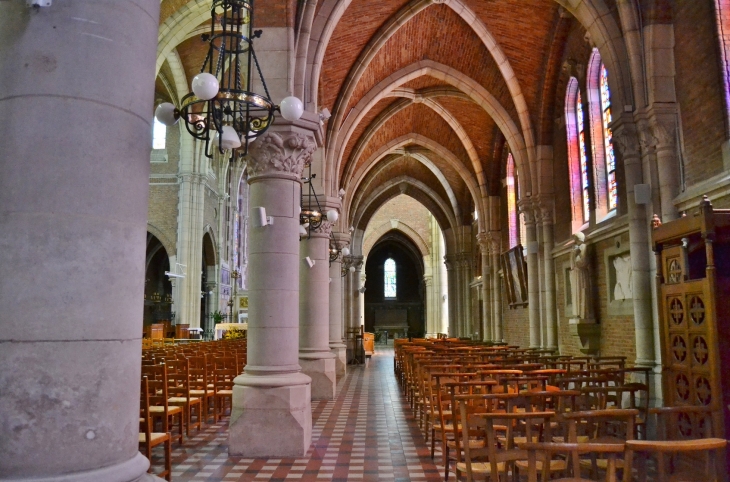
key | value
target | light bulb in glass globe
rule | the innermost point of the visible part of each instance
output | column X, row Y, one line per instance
column 205, row 86
column 345, row 251
column 291, row 108
column 166, row 114
column 352, row 269
column 332, row 216
column 229, row 138
column 302, row 230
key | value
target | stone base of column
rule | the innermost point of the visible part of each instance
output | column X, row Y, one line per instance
column 133, row 470
column 340, row 352
column 271, row 416
column 320, row 367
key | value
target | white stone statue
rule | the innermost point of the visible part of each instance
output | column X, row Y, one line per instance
column 623, row 290
column 581, row 279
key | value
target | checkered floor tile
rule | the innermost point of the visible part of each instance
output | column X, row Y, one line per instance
column 367, row 433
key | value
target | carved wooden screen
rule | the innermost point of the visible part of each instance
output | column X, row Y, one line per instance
column 688, row 314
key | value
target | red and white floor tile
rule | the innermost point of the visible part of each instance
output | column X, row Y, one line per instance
column 367, row 433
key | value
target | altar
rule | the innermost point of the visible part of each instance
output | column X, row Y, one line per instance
column 222, row 328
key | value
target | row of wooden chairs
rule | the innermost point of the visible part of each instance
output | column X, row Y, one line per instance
column 184, row 388
column 433, row 375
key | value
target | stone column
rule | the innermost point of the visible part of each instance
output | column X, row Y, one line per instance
column 190, row 236
column 428, row 299
column 541, row 275
column 357, row 296
column 335, row 313
column 315, row 356
column 663, row 128
column 77, row 94
column 628, row 144
column 451, row 294
column 533, row 287
column 466, row 278
column 497, row 323
column 272, row 413
column 487, row 328
column 551, row 341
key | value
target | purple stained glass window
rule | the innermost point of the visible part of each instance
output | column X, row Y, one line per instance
column 608, row 140
column 583, row 155
column 511, row 201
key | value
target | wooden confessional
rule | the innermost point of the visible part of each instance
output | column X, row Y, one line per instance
column 693, row 276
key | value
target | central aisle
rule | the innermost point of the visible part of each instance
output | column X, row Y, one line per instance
column 367, row 433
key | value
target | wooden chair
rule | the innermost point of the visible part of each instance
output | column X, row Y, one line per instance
column 537, row 452
column 223, row 383
column 668, row 466
column 200, row 381
column 682, row 423
column 148, row 439
column 179, row 389
column 497, row 459
column 160, row 409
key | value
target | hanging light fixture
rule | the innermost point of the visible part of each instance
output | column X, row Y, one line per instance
column 311, row 215
column 222, row 110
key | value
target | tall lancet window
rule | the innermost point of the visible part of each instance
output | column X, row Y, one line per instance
column 511, row 202
column 390, row 286
column 583, row 155
column 159, row 131
column 608, row 140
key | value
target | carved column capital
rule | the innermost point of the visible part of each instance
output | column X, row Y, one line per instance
column 279, row 152
column 627, row 140
column 323, row 230
column 485, row 241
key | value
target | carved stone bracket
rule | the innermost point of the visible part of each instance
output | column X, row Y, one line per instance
column 627, row 141
column 280, row 152
column 324, row 229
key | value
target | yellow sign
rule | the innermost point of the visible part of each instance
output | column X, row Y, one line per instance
column 243, row 302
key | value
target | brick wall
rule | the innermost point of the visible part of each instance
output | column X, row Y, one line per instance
column 516, row 323
column 162, row 212
column 700, row 91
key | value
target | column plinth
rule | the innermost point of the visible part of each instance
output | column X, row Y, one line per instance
column 272, row 413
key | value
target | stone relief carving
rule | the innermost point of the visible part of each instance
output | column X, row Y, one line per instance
column 623, row 289
column 274, row 152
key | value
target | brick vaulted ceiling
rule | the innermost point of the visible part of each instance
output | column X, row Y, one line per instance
column 420, row 91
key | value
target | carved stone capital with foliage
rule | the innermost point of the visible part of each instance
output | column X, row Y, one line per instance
column 280, row 152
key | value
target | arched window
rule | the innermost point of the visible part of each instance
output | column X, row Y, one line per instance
column 604, row 159
column 577, row 155
column 608, row 140
column 511, row 202
column 583, row 155
column 389, row 281
column 159, row 131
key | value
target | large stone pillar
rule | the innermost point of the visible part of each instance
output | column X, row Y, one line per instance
column 77, row 96
column 357, row 284
column 628, row 143
column 533, row 286
column 272, row 413
column 551, row 320
column 451, row 296
column 335, row 312
column 497, row 322
column 466, row 277
column 315, row 356
column 541, row 274
column 487, row 327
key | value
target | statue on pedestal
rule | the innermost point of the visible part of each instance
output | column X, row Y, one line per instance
column 581, row 281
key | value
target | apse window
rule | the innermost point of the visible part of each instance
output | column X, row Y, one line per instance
column 159, row 131
column 389, row 268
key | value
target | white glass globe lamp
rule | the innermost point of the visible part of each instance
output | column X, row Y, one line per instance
column 165, row 113
column 332, row 216
column 229, row 138
column 345, row 251
column 291, row 108
column 205, row 86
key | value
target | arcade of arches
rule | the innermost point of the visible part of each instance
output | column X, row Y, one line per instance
column 506, row 156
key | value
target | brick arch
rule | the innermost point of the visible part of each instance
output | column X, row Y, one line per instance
column 209, row 233
column 359, row 176
column 166, row 242
column 392, row 189
column 179, row 24
column 606, row 36
column 425, row 97
column 426, row 162
column 402, row 227
column 394, row 23
column 456, row 79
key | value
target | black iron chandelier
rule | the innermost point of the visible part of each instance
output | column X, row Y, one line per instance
column 311, row 215
column 222, row 110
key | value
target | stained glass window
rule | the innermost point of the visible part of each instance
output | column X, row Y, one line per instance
column 389, row 269
column 511, row 201
column 159, row 131
column 608, row 139
column 583, row 155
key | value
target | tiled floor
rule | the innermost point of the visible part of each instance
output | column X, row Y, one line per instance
column 366, row 434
